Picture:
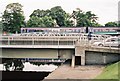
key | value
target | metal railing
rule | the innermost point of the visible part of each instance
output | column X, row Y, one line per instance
column 50, row 39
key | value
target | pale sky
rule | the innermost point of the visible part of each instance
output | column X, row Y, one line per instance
column 106, row 10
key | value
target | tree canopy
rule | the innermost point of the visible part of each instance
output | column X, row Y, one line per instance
column 56, row 16
column 13, row 18
column 84, row 19
column 1, row 27
column 40, row 13
column 40, row 18
column 45, row 21
column 111, row 24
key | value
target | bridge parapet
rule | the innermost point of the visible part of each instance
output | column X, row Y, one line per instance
column 50, row 39
column 80, row 49
column 96, row 55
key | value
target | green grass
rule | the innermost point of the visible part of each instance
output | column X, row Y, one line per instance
column 110, row 72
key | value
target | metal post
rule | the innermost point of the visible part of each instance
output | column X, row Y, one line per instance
column 58, row 42
column 8, row 40
column 32, row 41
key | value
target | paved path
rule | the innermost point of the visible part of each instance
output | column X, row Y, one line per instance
column 79, row 72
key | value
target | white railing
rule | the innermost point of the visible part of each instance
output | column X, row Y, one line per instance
column 47, row 39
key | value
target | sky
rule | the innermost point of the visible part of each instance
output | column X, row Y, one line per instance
column 106, row 10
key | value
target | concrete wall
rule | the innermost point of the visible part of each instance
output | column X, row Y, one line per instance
column 66, row 53
column 100, row 58
column 93, row 55
column 29, row 53
column 36, row 53
column 112, row 57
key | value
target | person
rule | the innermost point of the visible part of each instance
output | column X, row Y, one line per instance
column 58, row 56
column 89, row 38
column 87, row 29
column 89, row 35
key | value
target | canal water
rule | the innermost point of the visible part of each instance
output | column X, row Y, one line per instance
column 30, row 71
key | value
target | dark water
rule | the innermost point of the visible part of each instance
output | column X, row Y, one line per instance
column 23, row 76
column 17, row 74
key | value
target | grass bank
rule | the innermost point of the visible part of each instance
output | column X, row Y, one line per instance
column 110, row 72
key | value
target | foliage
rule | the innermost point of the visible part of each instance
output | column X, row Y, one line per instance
column 68, row 22
column 84, row 19
column 33, row 22
column 1, row 27
column 111, row 24
column 62, row 18
column 58, row 14
column 40, row 22
column 118, row 23
column 40, row 13
column 48, row 21
column 40, row 18
column 13, row 18
column 96, row 25
column 15, row 64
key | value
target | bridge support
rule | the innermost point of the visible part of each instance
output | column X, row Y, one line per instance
column 104, row 59
column 73, row 61
column 80, row 51
column 82, row 59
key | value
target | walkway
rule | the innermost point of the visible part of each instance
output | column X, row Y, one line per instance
column 79, row 72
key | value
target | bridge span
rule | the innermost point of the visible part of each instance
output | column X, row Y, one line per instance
column 75, row 47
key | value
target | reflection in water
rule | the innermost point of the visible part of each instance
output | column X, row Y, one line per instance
column 46, row 68
column 19, row 70
column 14, row 64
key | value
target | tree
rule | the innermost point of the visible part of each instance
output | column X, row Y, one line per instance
column 62, row 18
column 77, row 15
column 111, row 24
column 13, row 18
column 68, row 22
column 40, row 22
column 58, row 14
column 33, row 22
column 40, row 13
column 1, row 27
column 48, row 21
column 84, row 18
column 40, row 18
column 96, row 25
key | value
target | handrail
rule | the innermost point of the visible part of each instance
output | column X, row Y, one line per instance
column 80, row 38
